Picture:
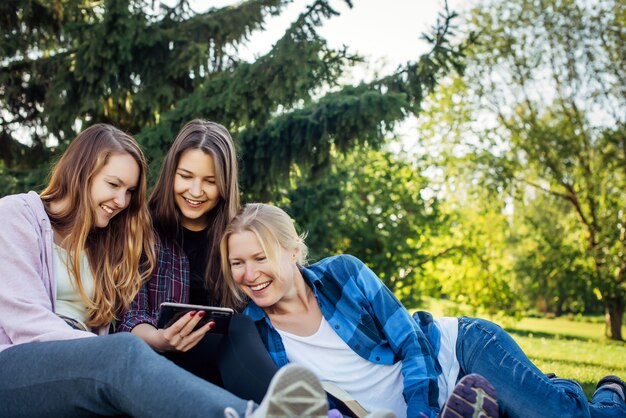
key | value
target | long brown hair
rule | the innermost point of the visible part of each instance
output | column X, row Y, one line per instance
column 125, row 247
column 213, row 139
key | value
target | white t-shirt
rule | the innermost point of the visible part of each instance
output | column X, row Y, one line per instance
column 446, row 381
column 375, row 386
column 68, row 301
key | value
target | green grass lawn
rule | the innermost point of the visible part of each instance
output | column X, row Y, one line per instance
column 572, row 349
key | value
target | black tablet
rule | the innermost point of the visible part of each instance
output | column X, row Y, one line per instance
column 172, row 312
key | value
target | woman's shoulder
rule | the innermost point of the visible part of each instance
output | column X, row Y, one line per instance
column 339, row 260
column 167, row 248
column 341, row 266
column 22, row 204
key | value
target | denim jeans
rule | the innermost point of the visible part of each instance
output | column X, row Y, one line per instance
column 523, row 390
column 109, row 375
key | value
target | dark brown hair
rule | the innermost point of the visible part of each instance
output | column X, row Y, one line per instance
column 215, row 140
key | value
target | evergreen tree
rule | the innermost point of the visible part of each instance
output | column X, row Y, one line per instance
column 70, row 63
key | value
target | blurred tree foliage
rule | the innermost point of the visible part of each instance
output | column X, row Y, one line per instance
column 538, row 122
column 69, row 63
column 374, row 205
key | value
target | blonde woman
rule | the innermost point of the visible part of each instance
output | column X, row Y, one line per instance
column 337, row 318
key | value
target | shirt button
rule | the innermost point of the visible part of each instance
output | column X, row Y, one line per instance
column 357, row 347
column 336, row 326
column 377, row 358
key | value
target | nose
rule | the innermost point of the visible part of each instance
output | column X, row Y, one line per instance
column 121, row 199
column 250, row 272
column 196, row 188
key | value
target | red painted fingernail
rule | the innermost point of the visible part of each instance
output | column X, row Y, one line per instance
column 194, row 312
column 211, row 325
column 201, row 314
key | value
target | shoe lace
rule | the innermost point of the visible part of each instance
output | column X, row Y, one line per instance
column 230, row 412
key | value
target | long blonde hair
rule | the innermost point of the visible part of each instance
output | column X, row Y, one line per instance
column 120, row 251
column 273, row 228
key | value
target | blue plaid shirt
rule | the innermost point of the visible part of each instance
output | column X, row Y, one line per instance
column 373, row 323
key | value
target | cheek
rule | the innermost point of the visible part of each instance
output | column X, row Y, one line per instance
column 237, row 276
column 212, row 192
column 178, row 186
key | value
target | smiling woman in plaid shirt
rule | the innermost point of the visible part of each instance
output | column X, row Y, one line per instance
column 337, row 318
column 192, row 202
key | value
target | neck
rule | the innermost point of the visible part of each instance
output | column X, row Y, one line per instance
column 298, row 300
column 54, row 208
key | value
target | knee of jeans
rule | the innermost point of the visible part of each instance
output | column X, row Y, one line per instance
column 126, row 345
column 482, row 325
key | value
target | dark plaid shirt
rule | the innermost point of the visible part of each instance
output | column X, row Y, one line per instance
column 169, row 283
column 373, row 323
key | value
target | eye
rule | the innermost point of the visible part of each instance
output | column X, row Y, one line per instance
column 235, row 264
column 261, row 258
column 184, row 176
column 113, row 185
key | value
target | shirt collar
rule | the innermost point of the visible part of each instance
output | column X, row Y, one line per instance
column 258, row 314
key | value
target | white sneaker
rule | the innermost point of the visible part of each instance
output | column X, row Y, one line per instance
column 293, row 393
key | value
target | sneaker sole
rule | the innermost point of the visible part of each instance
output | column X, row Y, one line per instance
column 296, row 392
column 473, row 397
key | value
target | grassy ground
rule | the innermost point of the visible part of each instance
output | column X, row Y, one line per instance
column 573, row 349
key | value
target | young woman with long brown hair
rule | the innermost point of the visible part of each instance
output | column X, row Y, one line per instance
column 195, row 197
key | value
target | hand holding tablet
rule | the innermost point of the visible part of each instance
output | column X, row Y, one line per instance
column 172, row 312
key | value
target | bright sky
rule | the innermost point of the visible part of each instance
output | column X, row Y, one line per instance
column 386, row 32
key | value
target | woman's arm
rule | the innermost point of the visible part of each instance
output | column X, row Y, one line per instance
column 407, row 341
column 26, row 295
column 169, row 282
column 178, row 337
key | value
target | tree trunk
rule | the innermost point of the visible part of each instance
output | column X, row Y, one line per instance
column 614, row 314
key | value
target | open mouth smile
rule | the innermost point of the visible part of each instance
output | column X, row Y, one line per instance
column 107, row 209
column 260, row 286
column 192, row 202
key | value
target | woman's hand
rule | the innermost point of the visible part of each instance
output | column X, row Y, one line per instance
column 180, row 336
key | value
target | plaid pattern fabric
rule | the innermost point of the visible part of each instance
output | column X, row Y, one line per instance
column 369, row 318
column 169, row 283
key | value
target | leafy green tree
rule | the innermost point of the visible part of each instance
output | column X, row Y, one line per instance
column 541, row 110
column 75, row 62
column 477, row 269
column 374, row 205
column 550, row 262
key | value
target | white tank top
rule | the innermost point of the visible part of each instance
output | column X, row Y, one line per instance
column 375, row 386
column 68, row 300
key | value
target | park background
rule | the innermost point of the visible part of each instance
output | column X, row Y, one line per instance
column 478, row 169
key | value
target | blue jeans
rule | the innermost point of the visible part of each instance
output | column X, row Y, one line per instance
column 109, row 375
column 523, row 390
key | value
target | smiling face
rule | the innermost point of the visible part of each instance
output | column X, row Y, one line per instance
column 195, row 188
column 113, row 186
column 253, row 272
